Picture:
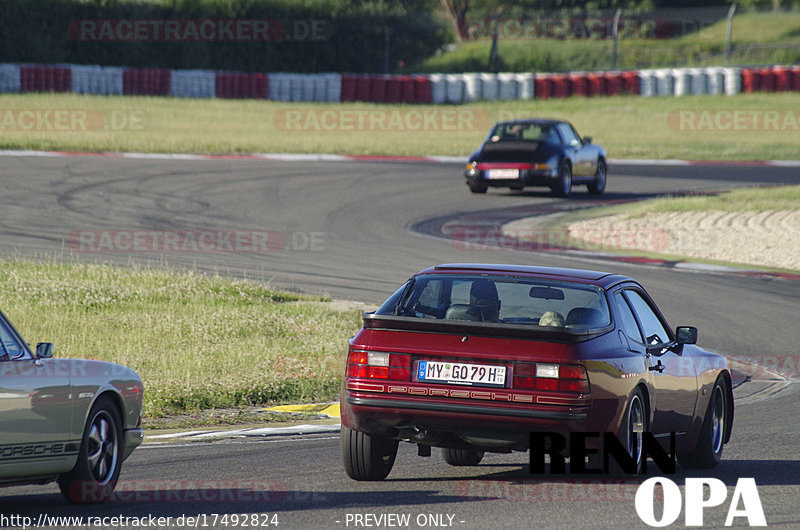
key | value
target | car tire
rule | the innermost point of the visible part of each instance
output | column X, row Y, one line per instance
column 563, row 186
column 367, row 456
column 96, row 472
column 598, row 185
column 462, row 457
column 631, row 438
column 477, row 187
column 711, row 442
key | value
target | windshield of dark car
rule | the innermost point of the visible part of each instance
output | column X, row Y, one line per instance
column 538, row 132
column 500, row 299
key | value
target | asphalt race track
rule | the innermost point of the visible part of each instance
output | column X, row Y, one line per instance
column 344, row 229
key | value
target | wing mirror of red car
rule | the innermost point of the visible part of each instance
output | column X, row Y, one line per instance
column 686, row 335
column 44, row 350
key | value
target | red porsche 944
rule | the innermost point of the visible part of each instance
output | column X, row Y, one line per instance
column 472, row 358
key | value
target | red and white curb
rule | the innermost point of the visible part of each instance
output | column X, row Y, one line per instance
column 310, row 157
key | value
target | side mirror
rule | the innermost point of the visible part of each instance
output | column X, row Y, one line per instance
column 44, row 350
column 686, row 335
column 587, row 139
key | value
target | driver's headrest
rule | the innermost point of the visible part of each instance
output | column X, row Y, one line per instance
column 482, row 290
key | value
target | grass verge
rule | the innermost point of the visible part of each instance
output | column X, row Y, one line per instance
column 750, row 199
column 628, row 127
column 199, row 342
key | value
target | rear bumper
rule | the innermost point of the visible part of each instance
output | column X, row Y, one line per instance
column 461, row 408
column 490, row 420
column 527, row 177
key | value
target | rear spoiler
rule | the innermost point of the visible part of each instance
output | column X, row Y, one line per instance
column 486, row 329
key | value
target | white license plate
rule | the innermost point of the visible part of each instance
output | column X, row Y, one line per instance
column 502, row 174
column 461, row 373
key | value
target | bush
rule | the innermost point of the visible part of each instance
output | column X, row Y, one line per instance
column 352, row 37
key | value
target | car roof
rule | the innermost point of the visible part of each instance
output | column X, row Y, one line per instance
column 531, row 121
column 601, row 279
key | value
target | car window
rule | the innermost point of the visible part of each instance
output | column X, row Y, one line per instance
column 654, row 330
column 525, row 131
column 503, row 299
column 570, row 138
column 627, row 320
column 11, row 347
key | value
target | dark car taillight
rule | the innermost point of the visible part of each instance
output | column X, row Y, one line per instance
column 551, row 377
column 379, row 365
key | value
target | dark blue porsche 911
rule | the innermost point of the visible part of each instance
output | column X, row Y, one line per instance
column 537, row 152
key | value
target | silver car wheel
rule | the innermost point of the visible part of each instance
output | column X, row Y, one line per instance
column 102, row 448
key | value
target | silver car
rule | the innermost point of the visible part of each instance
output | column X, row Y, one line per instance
column 68, row 420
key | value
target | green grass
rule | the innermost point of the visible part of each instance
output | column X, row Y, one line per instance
column 628, row 127
column 736, row 200
column 199, row 342
column 703, row 48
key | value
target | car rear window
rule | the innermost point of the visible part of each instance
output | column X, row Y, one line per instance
column 500, row 299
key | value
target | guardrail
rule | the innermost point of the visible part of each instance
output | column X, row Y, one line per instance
column 421, row 88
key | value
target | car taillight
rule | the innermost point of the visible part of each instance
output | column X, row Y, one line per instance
column 379, row 365
column 551, row 377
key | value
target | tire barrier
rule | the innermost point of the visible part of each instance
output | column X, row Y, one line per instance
column 796, row 78
column 455, row 88
column 783, row 78
column 377, row 89
column 579, row 84
column 560, row 86
column 423, row 89
column 472, row 88
column 542, row 86
column 192, row 84
column 490, row 87
column 525, row 86
column 438, row 89
column 507, row 87
column 698, row 79
column 772, row 79
column 106, row 81
column 647, row 83
column 393, row 89
column 45, row 78
column 595, row 84
column 733, row 80
column 9, row 78
column 240, row 85
column 614, row 83
column 665, row 82
column 682, row 83
column 146, row 81
column 363, row 88
column 715, row 81
column 630, row 83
